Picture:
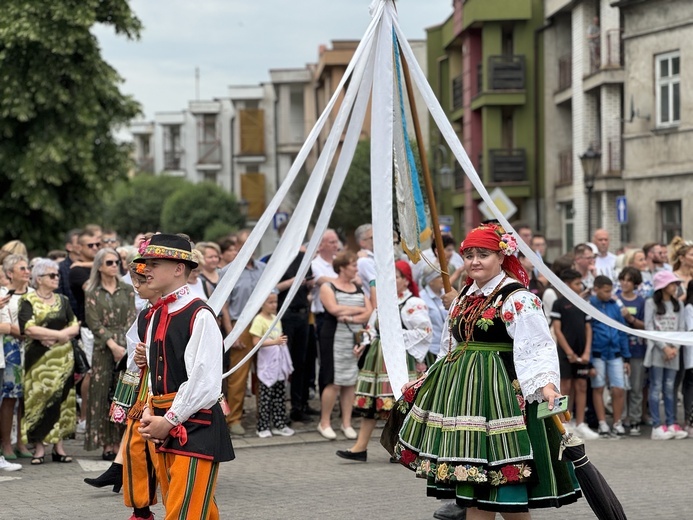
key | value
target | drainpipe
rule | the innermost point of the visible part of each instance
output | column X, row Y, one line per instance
column 537, row 99
column 276, row 141
column 233, row 154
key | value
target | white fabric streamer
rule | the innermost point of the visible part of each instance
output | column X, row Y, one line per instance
column 419, row 78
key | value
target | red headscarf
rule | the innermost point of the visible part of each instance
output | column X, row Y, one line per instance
column 494, row 238
column 403, row 267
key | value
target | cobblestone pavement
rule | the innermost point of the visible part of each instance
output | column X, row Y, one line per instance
column 301, row 478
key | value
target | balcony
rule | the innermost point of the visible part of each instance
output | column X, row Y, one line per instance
column 503, row 82
column 457, row 93
column 508, row 166
column 565, row 167
column 606, row 61
column 615, row 156
column 209, row 153
column 506, row 72
column 565, row 71
column 172, row 159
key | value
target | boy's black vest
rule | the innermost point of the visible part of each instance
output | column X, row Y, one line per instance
column 207, row 433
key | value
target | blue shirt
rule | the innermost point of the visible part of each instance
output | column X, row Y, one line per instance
column 608, row 343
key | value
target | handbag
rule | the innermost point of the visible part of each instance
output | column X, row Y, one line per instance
column 81, row 361
column 359, row 336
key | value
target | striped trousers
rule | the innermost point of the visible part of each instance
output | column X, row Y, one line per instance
column 187, row 486
column 139, row 475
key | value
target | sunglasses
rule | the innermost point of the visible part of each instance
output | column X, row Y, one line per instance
column 94, row 245
column 52, row 276
column 109, row 240
column 111, row 263
column 23, row 268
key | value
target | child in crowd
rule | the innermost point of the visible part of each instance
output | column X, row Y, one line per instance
column 574, row 340
column 663, row 312
column 610, row 357
column 633, row 311
column 273, row 370
column 688, row 349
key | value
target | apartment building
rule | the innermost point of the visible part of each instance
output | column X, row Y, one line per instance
column 484, row 68
column 658, row 123
column 583, row 117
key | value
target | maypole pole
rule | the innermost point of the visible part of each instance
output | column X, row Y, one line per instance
column 437, row 236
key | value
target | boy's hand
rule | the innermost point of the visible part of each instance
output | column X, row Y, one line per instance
column 593, row 372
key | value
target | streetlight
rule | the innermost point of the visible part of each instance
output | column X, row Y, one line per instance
column 591, row 165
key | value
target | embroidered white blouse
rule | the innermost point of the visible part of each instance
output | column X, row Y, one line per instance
column 417, row 331
column 534, row 351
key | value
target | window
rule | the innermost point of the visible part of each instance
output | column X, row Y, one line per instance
column 568, row 227
column 668, row 88
column 670, row 216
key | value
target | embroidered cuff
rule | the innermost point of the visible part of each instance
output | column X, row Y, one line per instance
column 172, row 418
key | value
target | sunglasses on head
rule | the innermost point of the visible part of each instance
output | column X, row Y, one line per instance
column 52, row 276
column 111, row 263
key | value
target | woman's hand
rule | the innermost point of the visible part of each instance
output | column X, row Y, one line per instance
column 550, row 393
column 421, row 367
column 358, row 350
column 118, row 352
column 406, row 386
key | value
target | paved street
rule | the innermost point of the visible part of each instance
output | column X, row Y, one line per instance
column 301, row 478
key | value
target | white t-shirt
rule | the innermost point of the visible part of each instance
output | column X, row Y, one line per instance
column 320, row 267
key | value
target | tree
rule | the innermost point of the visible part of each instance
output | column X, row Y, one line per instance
column 192, row 210
column 59, row 105
column 136, row 204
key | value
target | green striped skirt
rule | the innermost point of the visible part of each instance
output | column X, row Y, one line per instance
column 472, row 437
column 374, row 397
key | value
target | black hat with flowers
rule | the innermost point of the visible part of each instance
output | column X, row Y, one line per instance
column 167, row 247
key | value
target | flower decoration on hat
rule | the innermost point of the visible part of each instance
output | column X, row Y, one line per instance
column 143, row 246
column 508, row 244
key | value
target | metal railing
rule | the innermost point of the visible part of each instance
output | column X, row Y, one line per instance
column 172, row 159
column 508, row 165
column 457, row 93
column 615, row 157
column 565, row 166
column 565, row 71
column 209, row 152
column 506, row 72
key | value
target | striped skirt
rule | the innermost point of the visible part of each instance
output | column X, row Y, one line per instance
column 374, row 397
column 471, row 435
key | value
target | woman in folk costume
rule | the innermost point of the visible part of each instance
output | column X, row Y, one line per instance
column 473, row 431
column 374, row 397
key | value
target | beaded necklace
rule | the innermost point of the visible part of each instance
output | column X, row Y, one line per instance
column 470, row 309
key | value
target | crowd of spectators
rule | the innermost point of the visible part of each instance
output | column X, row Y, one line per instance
column 82, row 298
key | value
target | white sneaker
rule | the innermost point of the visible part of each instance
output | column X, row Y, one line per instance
column 81, row 426
column 264, row 434
column 585, row 432
column 570, row 426
column 661, row 433
column 8, row 466
column 679, row 433
column 349, row 432
column 284, row 432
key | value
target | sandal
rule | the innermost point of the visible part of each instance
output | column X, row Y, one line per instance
column 57, row 457
column 36, row 461
column 23, row 454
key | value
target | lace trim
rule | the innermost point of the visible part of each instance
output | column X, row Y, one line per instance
column 532, row 389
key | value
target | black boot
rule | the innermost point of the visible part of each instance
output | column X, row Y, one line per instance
column 113, row 476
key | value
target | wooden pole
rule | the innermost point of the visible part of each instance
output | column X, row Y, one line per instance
column 438, row 238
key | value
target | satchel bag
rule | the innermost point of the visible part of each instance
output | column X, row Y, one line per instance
column 81, row 361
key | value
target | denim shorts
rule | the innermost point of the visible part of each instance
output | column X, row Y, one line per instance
column 611, row 369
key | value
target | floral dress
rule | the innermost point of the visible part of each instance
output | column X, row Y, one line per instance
column 108, row 316
column 13, row 350
column 374, row 397
column 473, row 431
column 49, row 393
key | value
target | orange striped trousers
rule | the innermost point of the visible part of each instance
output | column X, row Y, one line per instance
column 139, row 475
column 187, row 486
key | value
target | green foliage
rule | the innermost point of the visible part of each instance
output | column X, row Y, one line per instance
column 218, row 230
column 59, row 104
column 136, row 204
column 354, row 204
column 193, row 209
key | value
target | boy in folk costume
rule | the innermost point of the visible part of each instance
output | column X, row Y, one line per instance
column 184, row 351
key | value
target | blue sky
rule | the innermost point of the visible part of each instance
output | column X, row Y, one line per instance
column 236, row 42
